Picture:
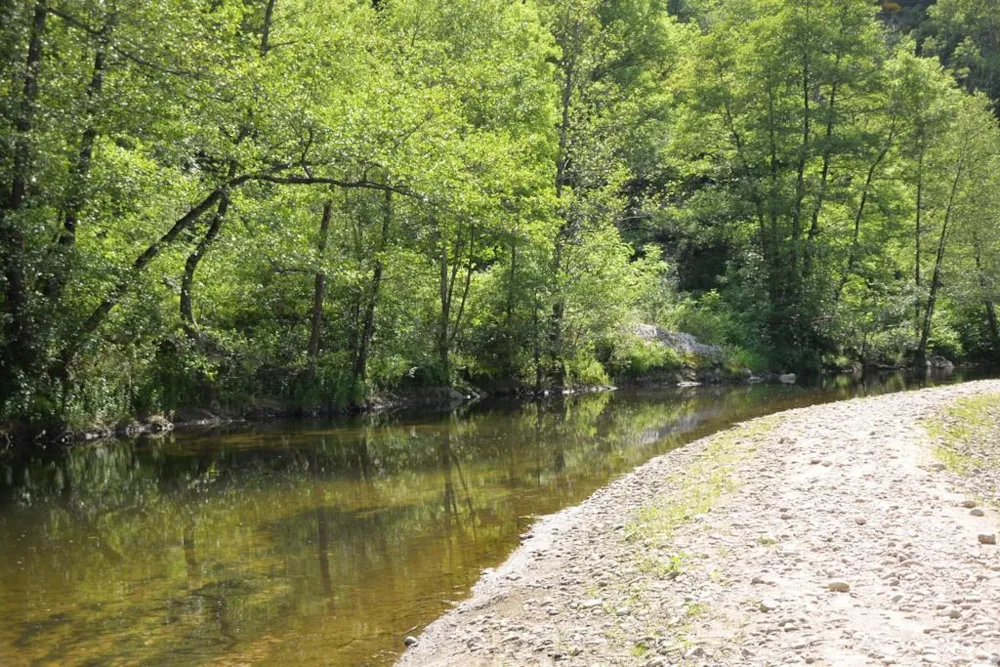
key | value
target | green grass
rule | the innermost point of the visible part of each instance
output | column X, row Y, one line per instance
column 966, row 432
column 658, row 567
column 696, row 609
column 697, row 488
column 691, row 491
column 639, row 650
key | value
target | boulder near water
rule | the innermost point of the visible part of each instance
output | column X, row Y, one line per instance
column 940, row 363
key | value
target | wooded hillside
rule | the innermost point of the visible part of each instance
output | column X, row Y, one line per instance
column 206, row 202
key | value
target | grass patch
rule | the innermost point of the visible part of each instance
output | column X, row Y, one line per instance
column 691, row 491
column 697, row 488
column 696, row 609
column 966, row 433
column 660, row 568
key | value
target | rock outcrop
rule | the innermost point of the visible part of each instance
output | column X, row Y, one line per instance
column 683, row 343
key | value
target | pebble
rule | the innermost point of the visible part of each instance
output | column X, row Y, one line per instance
column 839, row 586
column 989, row 538
column 768, row 605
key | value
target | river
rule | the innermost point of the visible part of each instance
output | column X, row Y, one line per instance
column 316, row 543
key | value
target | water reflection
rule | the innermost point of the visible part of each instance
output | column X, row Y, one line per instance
column 314, row 543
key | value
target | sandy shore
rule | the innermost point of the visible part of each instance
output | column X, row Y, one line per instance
column 830, row 535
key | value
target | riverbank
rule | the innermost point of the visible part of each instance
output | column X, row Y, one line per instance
column 837, row 534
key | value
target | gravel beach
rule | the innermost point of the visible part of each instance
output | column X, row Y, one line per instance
column 830, row 535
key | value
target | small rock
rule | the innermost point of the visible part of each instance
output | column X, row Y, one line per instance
column 768, row 605
column 860, row 520
column 839, row 586
column 968, row 504
column 591, row 604
column 990, row 538
column 977, row 512
column 411, row 641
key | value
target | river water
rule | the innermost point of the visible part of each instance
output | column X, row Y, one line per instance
column 316, row 543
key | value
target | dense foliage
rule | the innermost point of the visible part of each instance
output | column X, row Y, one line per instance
column 208, row 202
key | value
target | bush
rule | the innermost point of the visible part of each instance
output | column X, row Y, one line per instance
column 634, row 357
column 706, row 318
column 585, row 370
column 945, row 339
column 738, row 358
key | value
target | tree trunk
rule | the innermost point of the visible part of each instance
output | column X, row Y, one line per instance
column 18, row 355
column 824, row 175
column 319, row 287
column 368, row 324
column 265, row 32
column 918, row 231
column 511, row 296
column 536, row 349
column 925, row 332
column 54, row 284
column 100, row 313
column 852, row 257
column 777, row 266
column 191, row 266
column 568, row 66
column 444, row 315
column 558, row 365
column 26, row 111
column 800, row 174
column 194, row 259
column 81, row 169
column 450, row 262
column 988, row 303
column 991, row 322
column 456, row 327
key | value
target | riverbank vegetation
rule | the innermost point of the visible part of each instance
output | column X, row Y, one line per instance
column 213, row 203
